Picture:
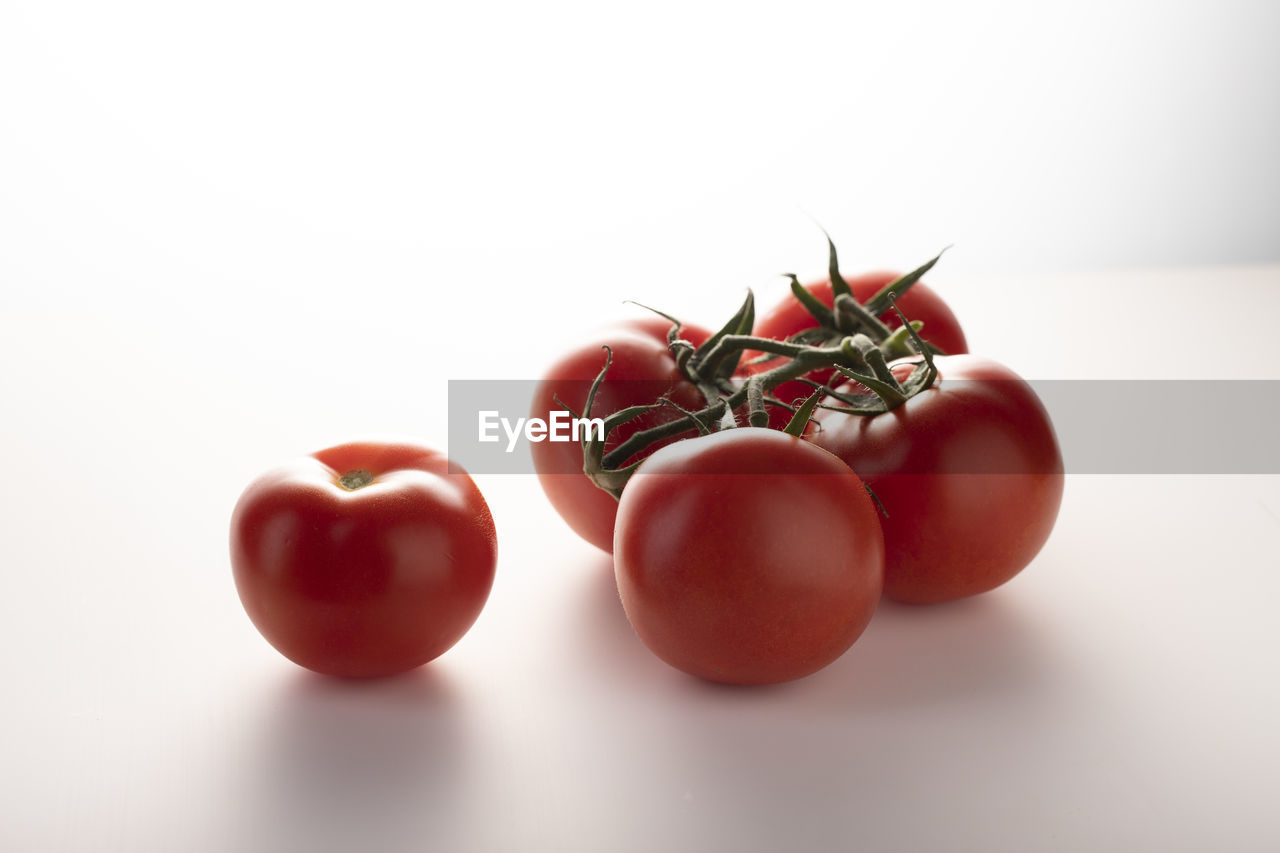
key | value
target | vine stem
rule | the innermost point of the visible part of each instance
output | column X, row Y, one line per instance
column 804, row 359
column 849, row 336
column 732, row 344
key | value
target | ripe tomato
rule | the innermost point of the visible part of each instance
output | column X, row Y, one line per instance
column 642, row 370
column 363, row 560
column 941, row 328
column 969, row 472
column 747, row 556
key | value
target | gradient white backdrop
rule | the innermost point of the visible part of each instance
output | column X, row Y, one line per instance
column 235, row 232
column 280, row 146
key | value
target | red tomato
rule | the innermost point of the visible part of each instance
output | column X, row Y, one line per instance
column 747, row 556
column 363, row 560
column 642, row 370
column 969, row 472
column 941, row 328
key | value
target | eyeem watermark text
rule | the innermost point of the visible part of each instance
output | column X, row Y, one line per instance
column 560, row 426
column 1137, row 437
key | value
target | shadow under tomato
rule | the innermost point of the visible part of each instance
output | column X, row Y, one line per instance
column 604, row 640
column 913, row 695
column 916, row 657
column 909, row 658
column 356, row 764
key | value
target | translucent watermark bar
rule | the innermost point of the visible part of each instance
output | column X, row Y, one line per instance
column 1103, row 426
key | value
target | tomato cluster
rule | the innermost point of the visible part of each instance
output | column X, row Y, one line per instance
column 754, row 534
column 760, row 487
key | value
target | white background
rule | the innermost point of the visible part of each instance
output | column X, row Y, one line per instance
column 234, row 233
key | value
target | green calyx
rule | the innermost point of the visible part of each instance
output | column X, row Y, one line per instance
column 847, row 336
column 356, row 479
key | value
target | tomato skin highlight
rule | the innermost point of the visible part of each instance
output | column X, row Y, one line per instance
column 367, row 582
column 748, row 556
column 642, row 370
column 969, row 472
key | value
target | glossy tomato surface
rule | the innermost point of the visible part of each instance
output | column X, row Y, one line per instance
column 941, row 328
column 363, row 560
column 747, row 556
column 642, row 370
column 969, row 472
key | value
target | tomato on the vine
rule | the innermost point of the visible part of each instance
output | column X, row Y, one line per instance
column 969, row 473
column 641, row 370
column 366, row 559
column 919, row 303
column 747, row 556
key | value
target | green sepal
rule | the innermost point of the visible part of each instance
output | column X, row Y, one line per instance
column 804, row 412
column 680, row 348
column 811, row 303
column 888, row 394
column 879, row 303
column 595, row 383
column 673, row 334
column 854, row 404
column 875, row 499
column 740, row 323
column 612, row 480
column 932, row 371
column 922, row 376
column 838, row 284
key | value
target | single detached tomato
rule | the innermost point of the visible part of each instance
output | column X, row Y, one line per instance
column 747, row 556
column 968, row 471
column 941, row 328
column 363, row 560
column 642, row 370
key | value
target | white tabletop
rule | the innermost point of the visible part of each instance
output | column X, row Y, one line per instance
column 1120, row 694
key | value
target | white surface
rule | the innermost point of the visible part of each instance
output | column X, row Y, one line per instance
column 1120, row 694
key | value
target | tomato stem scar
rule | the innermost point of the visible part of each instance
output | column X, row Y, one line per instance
column 356, row 479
